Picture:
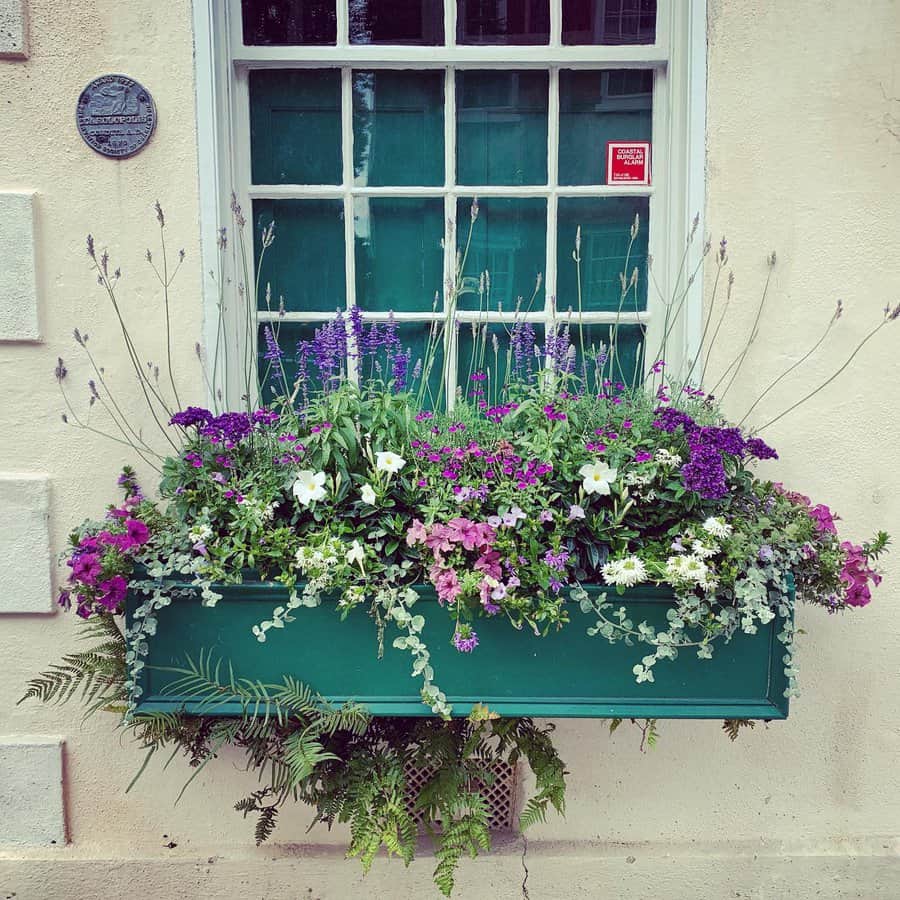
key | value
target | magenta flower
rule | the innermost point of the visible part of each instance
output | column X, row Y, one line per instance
column 112, row 592
column 85, row 568
column 856, row 574
column 824, row 519
column 489, row 563
column 137, row 531
column 642, row 456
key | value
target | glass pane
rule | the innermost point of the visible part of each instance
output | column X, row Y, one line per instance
column 606, row 251
column 397, row 22
column 295, row 126
column 596, row 107
column 398, row 128
column 503, row 22
column 399, row 258
column 320, row 350
column 304, row 266
column 509, row 241
column 501, row 122
column 289, row 22
column 608, row 21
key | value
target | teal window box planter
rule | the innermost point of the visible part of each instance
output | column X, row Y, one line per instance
column 568, row 673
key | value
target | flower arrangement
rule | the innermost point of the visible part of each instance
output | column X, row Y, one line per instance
column 351, row 479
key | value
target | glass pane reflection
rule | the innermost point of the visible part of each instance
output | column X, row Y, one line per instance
column 509, row 240
column 501, row 123
column 289, row 22
column 399, row 258
column 397, row 22
column 398, row 128
column 503, row 22
column 608, row 21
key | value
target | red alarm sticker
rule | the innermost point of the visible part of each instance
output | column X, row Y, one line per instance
column 628, row 162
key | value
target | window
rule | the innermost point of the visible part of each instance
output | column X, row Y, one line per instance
column 365, row 129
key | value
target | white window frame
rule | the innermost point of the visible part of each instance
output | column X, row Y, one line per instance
column 676, row 196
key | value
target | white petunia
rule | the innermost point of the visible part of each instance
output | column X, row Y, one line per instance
column 309, row 486
column 626, row 572
column 386, row 461
column 597, row 477
column 368, row 494
column 717, row 527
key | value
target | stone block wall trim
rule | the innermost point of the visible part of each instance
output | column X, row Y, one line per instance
column 25, row 559
column 13, row 29
column 31, row 791
column 18, row 282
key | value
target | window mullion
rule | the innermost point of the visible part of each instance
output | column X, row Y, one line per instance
column 450, row 222
column 343, row 23
column 555, row 23
column 450, row 23
column 347, row 184
column 550, row 298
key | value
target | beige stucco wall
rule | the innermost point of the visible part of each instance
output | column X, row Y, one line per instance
column 800, row 160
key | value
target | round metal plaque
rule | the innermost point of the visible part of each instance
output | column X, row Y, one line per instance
column 115, row 115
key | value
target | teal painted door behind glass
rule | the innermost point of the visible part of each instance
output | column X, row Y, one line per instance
column 305, row 265
column 501, row 127
column 606, row 251
column 295, row 126
column 399, row 258
column 509, row 240
column 398, row 133
column 398, row 128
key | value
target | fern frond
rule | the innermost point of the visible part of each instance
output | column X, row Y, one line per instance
column 302, row 754
column 97, row 675
column 732, row 727
column 467, row 831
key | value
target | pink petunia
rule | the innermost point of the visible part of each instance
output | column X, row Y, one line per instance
column 416, row 533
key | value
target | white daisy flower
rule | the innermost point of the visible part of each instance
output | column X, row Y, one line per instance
column 695, row 569
column 611, row 571
column 704, row 551
column 665, row 458
column 632, row 571
column 626, row 572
